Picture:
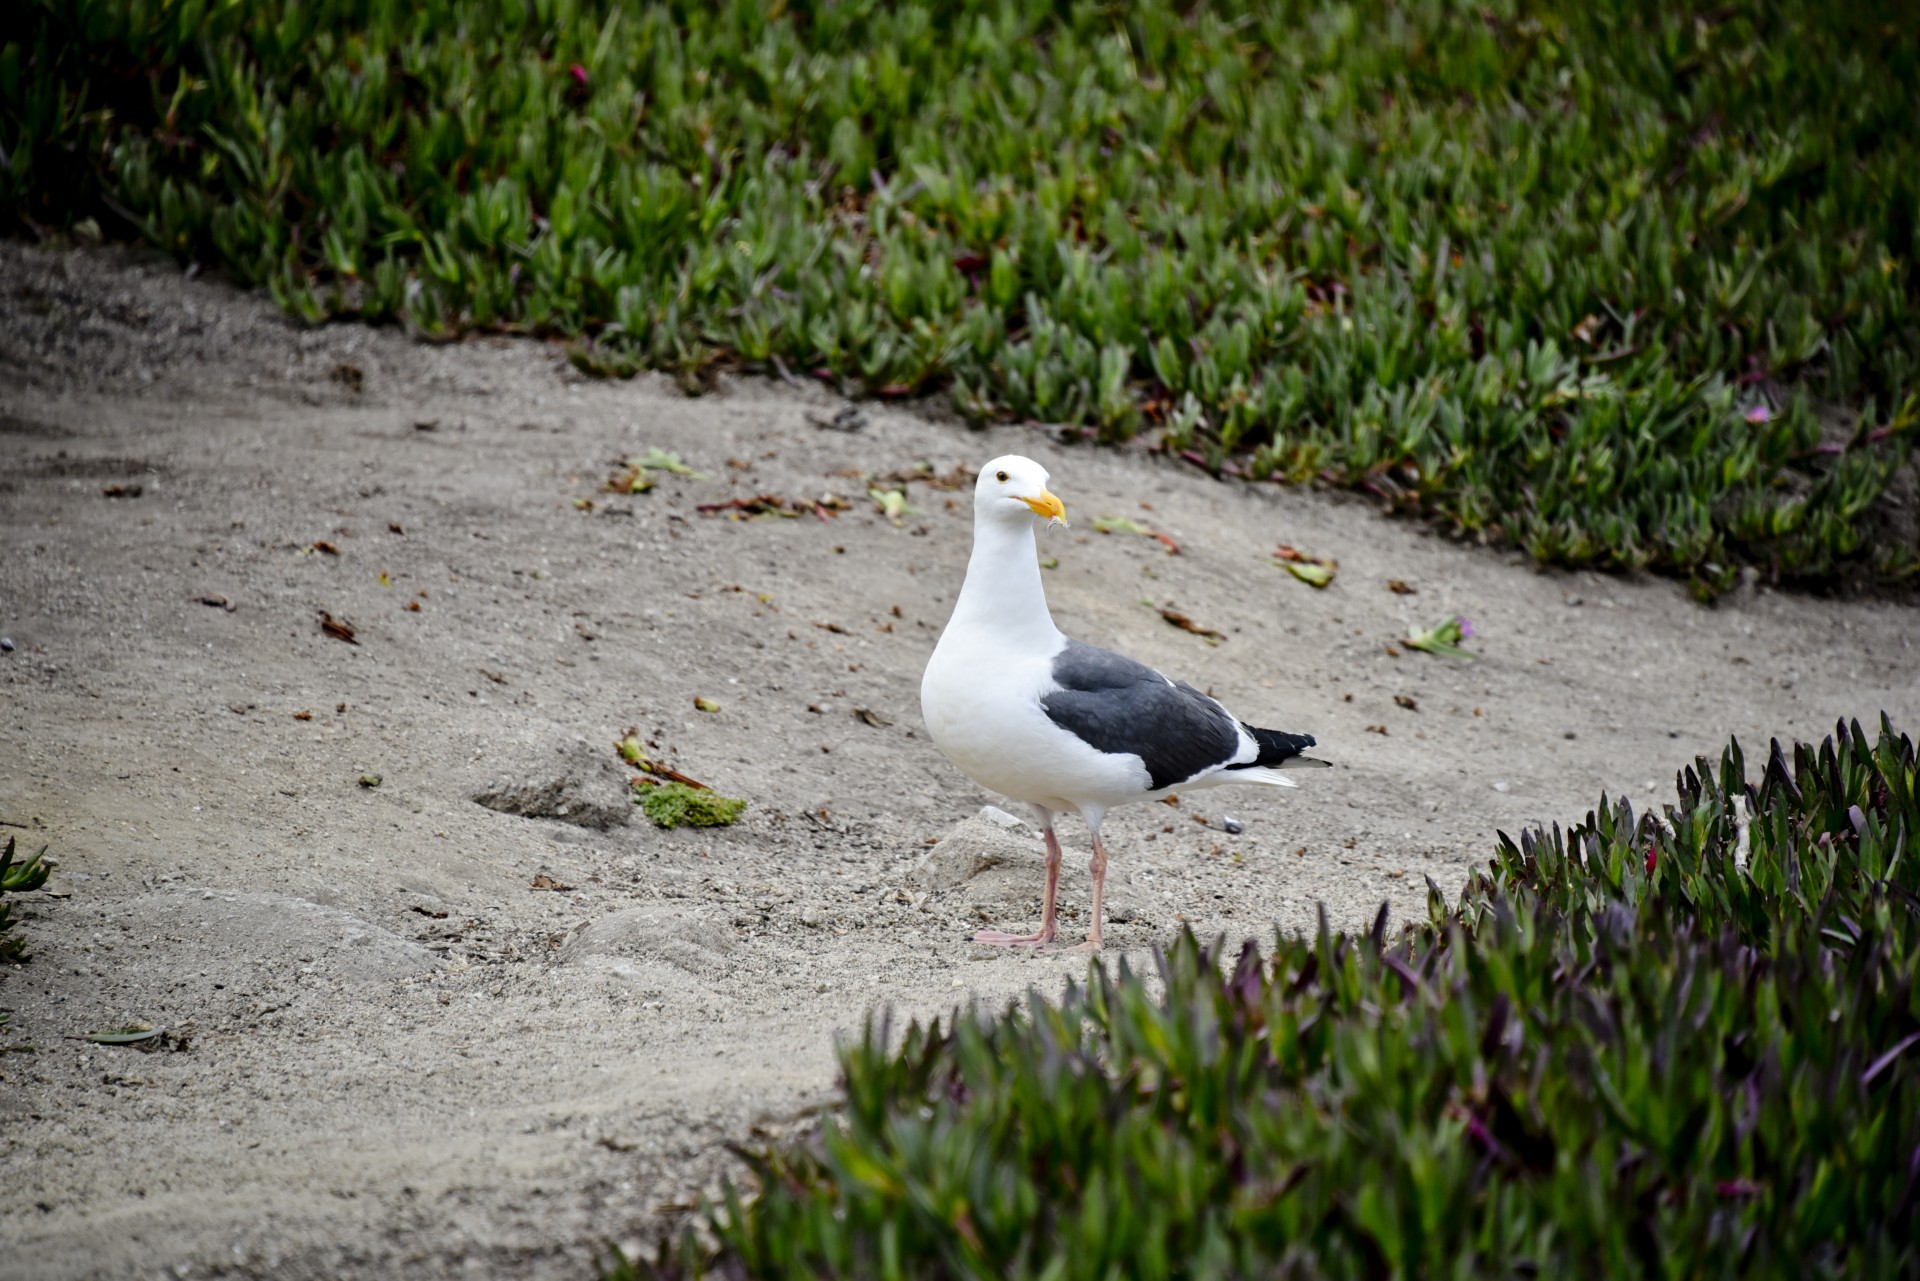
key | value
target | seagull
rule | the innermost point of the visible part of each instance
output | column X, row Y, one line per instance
column 1058, row 724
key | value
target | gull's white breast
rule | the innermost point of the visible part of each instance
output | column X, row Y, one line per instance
column 982, row 706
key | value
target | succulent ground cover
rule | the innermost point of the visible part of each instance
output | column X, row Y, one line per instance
column 17, row 877
column 1625, row 283
column 1674, row 1045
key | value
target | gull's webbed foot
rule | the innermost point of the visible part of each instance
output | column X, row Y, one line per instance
column 1000, row 938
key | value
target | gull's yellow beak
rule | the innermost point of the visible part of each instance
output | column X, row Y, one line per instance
column 1048, row 505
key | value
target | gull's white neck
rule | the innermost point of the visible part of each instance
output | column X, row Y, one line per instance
column 1002, row 596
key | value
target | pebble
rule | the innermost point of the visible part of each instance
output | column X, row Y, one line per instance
column 1232, row 826
column 1500, row 787
column 6, row 644
column 851, row 418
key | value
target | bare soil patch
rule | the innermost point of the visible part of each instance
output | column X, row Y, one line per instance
column 411, row 1034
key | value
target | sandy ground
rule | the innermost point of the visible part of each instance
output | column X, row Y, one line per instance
column 388, row 1052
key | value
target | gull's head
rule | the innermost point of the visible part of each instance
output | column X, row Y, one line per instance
column 1015, row 488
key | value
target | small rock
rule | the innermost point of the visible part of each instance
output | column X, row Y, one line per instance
column 6, row 644
column 1000, row 818
column 1501, row 787
column 1232, row 826
column 969, row 850
column 992, row 873
column 851, row 418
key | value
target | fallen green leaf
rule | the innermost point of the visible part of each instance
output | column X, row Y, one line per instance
column 657, row 459
column 891, row 502
column 132, row 1034
column 1120, row 525
column 1315, row 571
column 632, row 751
column 369, row 780
column 634, row 480
column 705, row 704
column 1443, row 638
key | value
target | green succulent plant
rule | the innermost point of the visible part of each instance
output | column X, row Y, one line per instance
column 1684, row 1043
column 1620, row 283
column 17, row 878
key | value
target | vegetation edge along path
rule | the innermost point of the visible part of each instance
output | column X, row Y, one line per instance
column 1619, row 283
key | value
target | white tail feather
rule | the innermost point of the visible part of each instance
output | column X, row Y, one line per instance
column 1256, row 774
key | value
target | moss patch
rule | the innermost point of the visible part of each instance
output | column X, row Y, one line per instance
column 677, row 805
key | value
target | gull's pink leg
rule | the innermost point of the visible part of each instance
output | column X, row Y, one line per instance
column 1098, row 866
column 1048, row 929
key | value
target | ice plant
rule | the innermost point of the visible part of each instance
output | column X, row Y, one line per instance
column 17, row 878
column 983, row 198
column 1569, row 1072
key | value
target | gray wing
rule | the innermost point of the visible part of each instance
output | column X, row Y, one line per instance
column 1117, row 705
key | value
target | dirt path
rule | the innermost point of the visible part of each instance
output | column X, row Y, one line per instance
column 401, row 1058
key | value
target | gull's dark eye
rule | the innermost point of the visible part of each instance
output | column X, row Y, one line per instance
column 1000, row 476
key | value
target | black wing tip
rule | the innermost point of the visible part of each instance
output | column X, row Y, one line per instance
column 1280, row 750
